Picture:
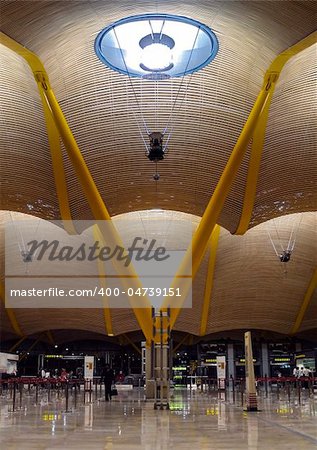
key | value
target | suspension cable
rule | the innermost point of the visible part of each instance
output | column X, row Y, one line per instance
column 181, row 83
column 278, row 236
column 288, row 248
column 131, row 84
column 296, row 231
column 140, row 131
column 273, row 245
column 179, row 107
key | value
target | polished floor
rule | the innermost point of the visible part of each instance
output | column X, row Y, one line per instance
column 196, row 421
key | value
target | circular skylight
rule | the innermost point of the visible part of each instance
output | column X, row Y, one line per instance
column 156, row 46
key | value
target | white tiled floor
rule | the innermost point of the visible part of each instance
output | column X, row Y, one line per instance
column 195, row 421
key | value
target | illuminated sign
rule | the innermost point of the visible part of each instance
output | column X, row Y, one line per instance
column 281, row 359
column 64, row 357
column 212, row 412
column 51, row 416
column 284, row 410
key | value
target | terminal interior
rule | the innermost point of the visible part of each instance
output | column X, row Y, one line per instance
column 158, row 165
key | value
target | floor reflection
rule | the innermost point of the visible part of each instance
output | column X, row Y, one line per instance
column 195, row 420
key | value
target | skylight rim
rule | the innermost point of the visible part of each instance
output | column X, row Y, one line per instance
column 157, row 16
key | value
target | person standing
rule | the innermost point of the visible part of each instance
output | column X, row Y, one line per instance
column 107, row 376
column 63, row 375
column 120, row 377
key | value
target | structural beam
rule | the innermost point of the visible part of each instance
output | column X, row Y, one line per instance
column 136, row 348
column 308, row 295
column 16, row 345
column 10, row 312
column 209, row 219
column 102, row 282
column 213, row 244
column 50, row 337
column 279, row 62
column 143, row 309
column 254, row 168
column 259, row 134
column 196, row 250
column 52, row 133
column 32, row 346
column 58, row 168
column 182, row 341
column 95, row 201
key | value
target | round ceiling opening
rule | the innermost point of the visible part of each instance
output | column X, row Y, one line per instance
column 156, row 46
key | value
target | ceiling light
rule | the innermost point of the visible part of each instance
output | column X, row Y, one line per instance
column 156, row 57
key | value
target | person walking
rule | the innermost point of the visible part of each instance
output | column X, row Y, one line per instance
column 107, row 376
column 63, row 375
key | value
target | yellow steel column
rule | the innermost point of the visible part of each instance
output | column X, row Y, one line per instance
column 32, row 346
column 136, row 348
column 17, row 344
column 254, row 168
column 97, row 206
column 9, row 311
column 196, row 251
column 280, row 61
column 92, row 194
column 52, row 133
column 106, row 311
column 308, row 295
column 259, row 134
column 215, row 205
column 213, row 244
column 58, row 168
column 50, row 337
column 182, row 341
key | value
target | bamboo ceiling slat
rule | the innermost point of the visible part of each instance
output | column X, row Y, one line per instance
column 250, row 287
column 97, row 104
column 286, row 158
column 27, row 183
column 310, row 317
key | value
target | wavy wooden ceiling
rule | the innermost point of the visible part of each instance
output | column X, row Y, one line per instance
column 98, row 105
column 251, row 288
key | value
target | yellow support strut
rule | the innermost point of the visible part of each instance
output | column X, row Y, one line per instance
column 52, row 133
column 14, row 323
column 196, row 251
column 102, row 281
column 97, row 206
column 309, row 293
column 215, row 205
column 259, row 134
column 213, row 244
